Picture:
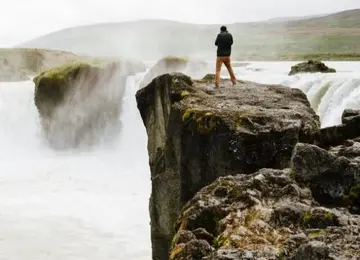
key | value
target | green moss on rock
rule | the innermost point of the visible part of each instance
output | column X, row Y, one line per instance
column 319, row 219
column 185, row 93
column 205, row 122
column 176, row 251
column 51, row 86
column 78, row 85
column 221, row 241
column 66, row 71
column 316, row 234
column 186, row 115
column 353, row 198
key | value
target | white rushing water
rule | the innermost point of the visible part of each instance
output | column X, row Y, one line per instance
column 94, row 205
column 328, row 94
column 73, row 206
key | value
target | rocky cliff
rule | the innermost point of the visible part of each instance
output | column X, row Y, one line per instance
column 264, row 215
column 309, row 211
column 197, row 134
column 79, row 102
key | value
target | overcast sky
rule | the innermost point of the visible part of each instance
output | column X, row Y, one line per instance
column 21, row 20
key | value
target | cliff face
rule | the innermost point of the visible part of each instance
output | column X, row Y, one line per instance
column 196, row 135
column 338, row 134
column 265, row 215
column 309, row 211
column 79, row 102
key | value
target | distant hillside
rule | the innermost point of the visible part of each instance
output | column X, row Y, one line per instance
column 334, row 36
column 286, row 19
column 346, row 19
column 20, row 64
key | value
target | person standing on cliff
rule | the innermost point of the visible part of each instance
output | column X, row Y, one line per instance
column 224, row 41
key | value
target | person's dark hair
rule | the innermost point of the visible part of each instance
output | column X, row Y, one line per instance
column 223, row 28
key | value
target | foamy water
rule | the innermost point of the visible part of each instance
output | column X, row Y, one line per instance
column 72, row 205
column 329, row 94
column 94, row 205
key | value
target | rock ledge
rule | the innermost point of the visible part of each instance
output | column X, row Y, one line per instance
column 197, row 134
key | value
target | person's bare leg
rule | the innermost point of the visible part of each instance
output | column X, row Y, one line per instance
column 227, row 62
column 219, row 62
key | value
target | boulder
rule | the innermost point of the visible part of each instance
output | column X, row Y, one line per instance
column 264, row 215
column 333, row 176
column 170, row 64
column 310, row 67
column 337, row 135
column 79, row 102
column 197, row 134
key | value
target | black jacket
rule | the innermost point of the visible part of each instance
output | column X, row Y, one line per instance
column 224, row 40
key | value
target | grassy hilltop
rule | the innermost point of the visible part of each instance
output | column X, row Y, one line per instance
column 329, row 37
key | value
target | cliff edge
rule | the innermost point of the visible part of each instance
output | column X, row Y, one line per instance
column 197, row 134
column 79, row 102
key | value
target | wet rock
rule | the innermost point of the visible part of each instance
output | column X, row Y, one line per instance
column 310, row 67
column 257, row 219
column 197, row 134
column 349, row 115
column 193, row 250
column 183, row 237
column 350, row 149
column 333, row 179
column 313, row 250
column 232, row 254
column 339, row 134
column 79, row 102
column 202, row 234
column 210, row 77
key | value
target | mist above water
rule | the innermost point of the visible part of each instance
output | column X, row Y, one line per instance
column 72, row 204
column 89, row 114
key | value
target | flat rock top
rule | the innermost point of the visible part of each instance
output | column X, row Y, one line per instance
column 250, row 106
column 252, row 94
